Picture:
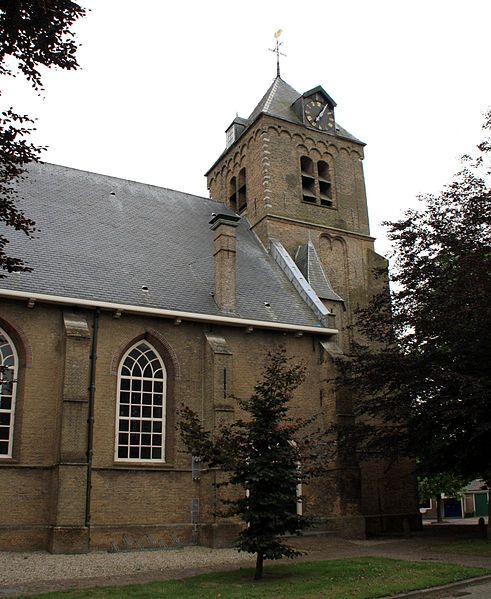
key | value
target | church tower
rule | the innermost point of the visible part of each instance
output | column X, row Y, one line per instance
column 296, row 175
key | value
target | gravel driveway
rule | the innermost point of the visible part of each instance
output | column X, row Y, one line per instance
column 30, row 573
column 42, row 571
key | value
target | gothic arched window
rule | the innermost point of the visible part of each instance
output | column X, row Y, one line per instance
column 8, row 383
column 141, row 405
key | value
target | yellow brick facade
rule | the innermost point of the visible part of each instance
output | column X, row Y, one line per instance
column 64, row 490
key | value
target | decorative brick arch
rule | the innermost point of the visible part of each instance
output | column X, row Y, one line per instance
column 161, row 344
column 20, row 339
column 333, row 251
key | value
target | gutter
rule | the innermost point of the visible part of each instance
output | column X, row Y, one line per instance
column 291, row 270
column 90, row 419
column 174, row 314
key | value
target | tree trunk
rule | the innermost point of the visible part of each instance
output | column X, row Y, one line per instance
column 439, row 508
column 259, row 567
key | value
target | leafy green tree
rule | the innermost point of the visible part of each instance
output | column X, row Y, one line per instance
column 266, row 457
column 33, row 33
column 432, row 487
column 422, row 370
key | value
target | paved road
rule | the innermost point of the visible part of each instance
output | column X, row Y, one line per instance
column 479, row 591
column 476, row 591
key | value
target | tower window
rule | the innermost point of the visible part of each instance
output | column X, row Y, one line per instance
column 307, row 166
column 242, row 190
column 233, row 193
column 230, row 136
column 238, row 192
column 325, row 193
column 316, row 182
column 308, row 179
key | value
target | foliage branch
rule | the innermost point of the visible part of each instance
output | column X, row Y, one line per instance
column 33, row 34
column 422, row 368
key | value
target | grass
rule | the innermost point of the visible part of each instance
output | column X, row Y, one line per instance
column 468, row 547
column 361, row 578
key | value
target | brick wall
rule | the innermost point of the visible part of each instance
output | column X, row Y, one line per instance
column 43, row 494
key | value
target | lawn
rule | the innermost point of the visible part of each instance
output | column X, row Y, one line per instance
column 361, row 578
column 468, row 547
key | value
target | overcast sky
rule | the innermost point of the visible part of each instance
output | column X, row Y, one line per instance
column 160, row 81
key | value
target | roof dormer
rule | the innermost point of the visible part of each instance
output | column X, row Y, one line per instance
column 235, row 130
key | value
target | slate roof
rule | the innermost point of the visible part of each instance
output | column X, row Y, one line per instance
column 103, row 238
column 310, row 266
column 278, row 100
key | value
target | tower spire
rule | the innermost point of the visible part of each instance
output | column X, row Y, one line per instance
column 276, row 50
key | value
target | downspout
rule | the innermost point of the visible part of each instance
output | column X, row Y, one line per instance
column 90, row 417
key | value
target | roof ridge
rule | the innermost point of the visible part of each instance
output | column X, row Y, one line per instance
column 273, row 88
column 265, row 102
column 80, row 170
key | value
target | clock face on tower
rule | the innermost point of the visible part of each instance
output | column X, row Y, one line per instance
column 319, row 115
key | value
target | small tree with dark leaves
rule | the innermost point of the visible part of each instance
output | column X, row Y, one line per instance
column 266, row 457
column 33, row 33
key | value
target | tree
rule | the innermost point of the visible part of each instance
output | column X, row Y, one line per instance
column 266, row 456
column 33, row 33
column 432, row 487
column 422, row 371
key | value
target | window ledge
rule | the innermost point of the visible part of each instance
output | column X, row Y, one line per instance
column 141, row 466
column 8, row 461
column 317, row 205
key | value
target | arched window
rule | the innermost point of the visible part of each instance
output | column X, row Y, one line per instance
column 316, row 183
column 324, row 183
column 141, row 405
column 8, row 383
column 233, row 193
column 242, row 190
column 308, row 180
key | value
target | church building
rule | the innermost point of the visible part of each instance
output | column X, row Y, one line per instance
column 142, row 299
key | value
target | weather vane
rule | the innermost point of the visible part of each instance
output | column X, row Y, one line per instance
column 276, row 49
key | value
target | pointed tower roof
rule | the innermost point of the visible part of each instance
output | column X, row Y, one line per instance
column 310, row 266
column 277, row 101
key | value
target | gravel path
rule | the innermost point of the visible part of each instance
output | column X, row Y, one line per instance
column 41, row 571
column 22, row 574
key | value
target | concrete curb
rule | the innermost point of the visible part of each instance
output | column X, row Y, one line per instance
column 429, row 592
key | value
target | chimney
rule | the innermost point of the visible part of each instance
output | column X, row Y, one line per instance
column 225, row 263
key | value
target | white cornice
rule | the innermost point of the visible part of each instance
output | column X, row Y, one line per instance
column 119, row 309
